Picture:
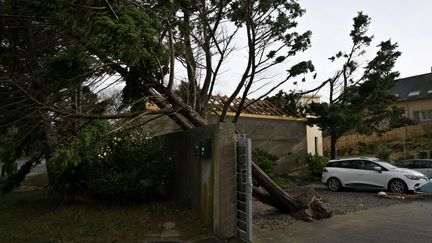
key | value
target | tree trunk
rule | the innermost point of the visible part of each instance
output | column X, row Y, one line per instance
column 278, row 198
column 333, row 140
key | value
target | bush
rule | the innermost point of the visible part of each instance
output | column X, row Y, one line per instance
column 384, row 153
column 107, row 168
column 367, row 148
column 265, row 160
column 316, row 164
column 131, row 170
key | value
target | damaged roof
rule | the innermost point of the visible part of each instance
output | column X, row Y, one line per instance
column 251, row 106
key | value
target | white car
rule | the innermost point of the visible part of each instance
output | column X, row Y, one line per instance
column 370, row 173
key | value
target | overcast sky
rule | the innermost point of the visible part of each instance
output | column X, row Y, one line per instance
column 402, row 21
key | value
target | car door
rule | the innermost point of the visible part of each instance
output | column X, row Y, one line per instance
column 423, row 166
column 354, row 174
column 347, row 173
column 369, row 177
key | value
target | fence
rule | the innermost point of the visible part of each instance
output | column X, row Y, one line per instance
column 394, row 134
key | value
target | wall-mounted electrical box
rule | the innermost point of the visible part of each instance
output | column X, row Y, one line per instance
column 204, row 148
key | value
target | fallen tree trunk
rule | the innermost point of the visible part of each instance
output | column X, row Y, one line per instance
column 307, row 210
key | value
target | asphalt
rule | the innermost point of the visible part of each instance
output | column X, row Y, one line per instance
column 410, row 222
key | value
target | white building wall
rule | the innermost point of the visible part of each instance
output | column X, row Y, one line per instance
column 314, row 140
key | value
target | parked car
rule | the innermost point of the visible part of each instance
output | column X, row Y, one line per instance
column 370, row 173
column 421, row 165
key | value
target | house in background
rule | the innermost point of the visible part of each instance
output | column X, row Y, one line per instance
column 415, row 96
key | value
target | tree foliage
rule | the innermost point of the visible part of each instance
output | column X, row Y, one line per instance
column 57, row 57
column 63, row 48
column 97, row 166
column 288, row 103
column 363, row 103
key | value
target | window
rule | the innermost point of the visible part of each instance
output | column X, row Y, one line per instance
column 423, row 164
column 406, row 164
column 413, row 93
column 368, row 165
column 416, row 115
column 343, row 164
column 333, row 164
column 423, row 115
column 349, row 164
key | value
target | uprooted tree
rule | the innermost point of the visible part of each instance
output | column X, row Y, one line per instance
column 57, row 56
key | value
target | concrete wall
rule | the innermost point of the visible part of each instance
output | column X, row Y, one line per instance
column 289, row 139
column 283, row 137
column 206, row 185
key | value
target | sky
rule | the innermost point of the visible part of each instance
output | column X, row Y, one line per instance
column 402, row 21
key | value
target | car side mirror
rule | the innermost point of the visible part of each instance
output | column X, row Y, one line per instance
column 378, row 168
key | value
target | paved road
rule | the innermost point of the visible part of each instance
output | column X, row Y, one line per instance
column 399, row 223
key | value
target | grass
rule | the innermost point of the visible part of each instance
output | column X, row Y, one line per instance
column 284, row 181
column 37, row 216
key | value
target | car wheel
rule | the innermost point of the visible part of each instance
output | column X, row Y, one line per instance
column 334, row 184
column 397, row 186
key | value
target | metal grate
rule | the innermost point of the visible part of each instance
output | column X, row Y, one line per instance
column 244, row 189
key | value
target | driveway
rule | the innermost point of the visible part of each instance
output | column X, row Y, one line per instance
column 410, row 222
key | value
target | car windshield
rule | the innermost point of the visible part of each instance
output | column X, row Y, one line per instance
column 386, row 165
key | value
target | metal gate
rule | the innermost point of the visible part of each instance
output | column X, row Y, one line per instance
column 244, row 189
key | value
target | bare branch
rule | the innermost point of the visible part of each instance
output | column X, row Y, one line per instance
column 89, row 116
column 122, row 127
column 268, row 92
column 112, row 10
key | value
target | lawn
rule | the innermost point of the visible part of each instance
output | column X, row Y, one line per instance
column 34, row 215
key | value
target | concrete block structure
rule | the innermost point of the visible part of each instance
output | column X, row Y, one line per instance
column 204, row 175
column 270, row 129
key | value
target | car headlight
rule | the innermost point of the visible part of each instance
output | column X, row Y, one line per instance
column 413, row 177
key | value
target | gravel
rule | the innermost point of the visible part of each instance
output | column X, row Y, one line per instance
column 268, row 218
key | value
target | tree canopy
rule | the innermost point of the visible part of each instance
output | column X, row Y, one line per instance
column 362, row 103
column 58, row 56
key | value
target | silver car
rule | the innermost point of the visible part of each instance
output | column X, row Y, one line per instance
column 421, row 165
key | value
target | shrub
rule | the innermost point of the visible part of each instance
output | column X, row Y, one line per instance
column 131, row 170
column 265, row 160
column 383, row 152
column 64, row 167
column 367, row 148
column 315, row 164
column 107, row 168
